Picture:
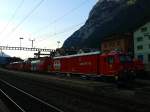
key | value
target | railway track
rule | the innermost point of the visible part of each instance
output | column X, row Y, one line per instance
column 22, row 101
column 75, row 100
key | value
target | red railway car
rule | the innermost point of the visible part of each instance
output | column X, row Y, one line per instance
column 111, row 64
column 34, row 65
column 9, row 66
column 27, row 66
column 80, row 63
column 16, row 66
column 44, row 64
column 41, row 65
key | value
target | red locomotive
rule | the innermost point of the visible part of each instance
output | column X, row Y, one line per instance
column 112, row 64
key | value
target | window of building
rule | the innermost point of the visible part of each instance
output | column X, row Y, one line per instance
column 140, row 57
column 139, row 39
column 148, row 57
column 147, row 35
column 143, row 29
column 140, row 47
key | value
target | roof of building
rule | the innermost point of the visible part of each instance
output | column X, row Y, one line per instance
column 117, row 36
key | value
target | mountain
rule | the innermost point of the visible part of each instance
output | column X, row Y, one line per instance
column 109, row 17
column 2, row 54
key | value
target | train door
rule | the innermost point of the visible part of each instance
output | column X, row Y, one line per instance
column 49, row 65
column 111, row 65
column 106, row 65
column 102, row 64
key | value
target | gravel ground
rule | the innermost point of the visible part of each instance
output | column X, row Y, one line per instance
column 3, row 107
column 79, row 95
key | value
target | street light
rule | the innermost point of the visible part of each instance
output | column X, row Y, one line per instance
column 20, row 40
column 32, row 40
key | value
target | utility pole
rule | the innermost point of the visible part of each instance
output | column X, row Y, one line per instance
column 20, row 40
column 32, row 40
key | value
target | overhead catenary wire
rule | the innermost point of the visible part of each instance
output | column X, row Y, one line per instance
column 27, row 16
column 56, row 20
column 13, row 16
column 63, row 31
column 61, row 17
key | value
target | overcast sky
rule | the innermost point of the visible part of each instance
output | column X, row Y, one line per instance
column 46, row 21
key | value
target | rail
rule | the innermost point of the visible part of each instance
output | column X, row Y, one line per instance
column 14, row 105
column 25, row 101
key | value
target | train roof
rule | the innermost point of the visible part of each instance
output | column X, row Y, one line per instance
column 76, row 55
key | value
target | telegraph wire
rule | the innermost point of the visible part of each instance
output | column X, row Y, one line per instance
column 13, row 16
column 63, row 31
column 62, row 17
column 27, row 16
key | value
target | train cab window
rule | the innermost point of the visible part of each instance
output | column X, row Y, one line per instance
column 110, row 60
column 123, row 59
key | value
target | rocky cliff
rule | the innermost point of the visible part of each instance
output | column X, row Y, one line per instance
column 109, row 17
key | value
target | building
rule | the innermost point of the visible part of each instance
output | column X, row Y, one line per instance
column 142, row 43
column 122, row 42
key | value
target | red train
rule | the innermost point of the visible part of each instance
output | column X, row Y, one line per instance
column 113, row 64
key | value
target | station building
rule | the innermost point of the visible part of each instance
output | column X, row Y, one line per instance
column 122, row 42
column 142, row 43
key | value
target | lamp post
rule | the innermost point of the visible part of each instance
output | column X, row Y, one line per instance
column 20, row 40
column 32, row 40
